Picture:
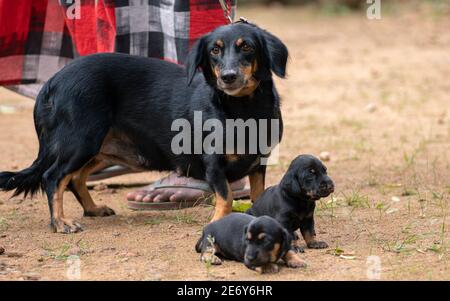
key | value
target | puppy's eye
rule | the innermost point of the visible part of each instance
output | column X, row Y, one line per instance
column 215, row 50
column 313, row 171
column 246, row 48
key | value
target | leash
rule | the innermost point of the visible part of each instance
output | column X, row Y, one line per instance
column 226, row 10
column 227, row 13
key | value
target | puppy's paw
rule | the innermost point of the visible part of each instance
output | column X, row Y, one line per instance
column 317, row 245
column 293, row 260
column 211, row 259
column 296, row 262
column 269, row 268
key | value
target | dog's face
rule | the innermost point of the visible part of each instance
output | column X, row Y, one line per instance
column 265, row 242
column 235, row 58
column 307, row 178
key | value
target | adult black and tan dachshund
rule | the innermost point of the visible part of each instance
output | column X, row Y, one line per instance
column 292, row 202
column 258, row 242
column 120, row 108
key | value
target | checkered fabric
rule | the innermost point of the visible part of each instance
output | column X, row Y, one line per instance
column 38, row 37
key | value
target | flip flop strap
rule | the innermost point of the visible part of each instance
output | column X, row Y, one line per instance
column 197, row 186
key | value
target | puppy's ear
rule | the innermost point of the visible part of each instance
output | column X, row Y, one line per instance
column 245, row 232
column 291, row 184
column 274, row 53
column 198, row 58
column 244, row 236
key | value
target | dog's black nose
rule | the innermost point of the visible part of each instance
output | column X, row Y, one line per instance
column 252, row 256
column 330, row 187
column 229, row 76
column 327, row 186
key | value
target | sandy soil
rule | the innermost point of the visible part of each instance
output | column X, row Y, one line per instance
column 374, row 94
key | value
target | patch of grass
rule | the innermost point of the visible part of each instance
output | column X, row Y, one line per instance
column 180, row 218
column 441, row 246
column 208, row 258
column 381, row 207
column 355, row 199
column 3, row 224
column 409, row 192
column 409, row 159
column 437, row 196
column 402, row 245
column 58, row 253
column 154, row 221
column 327, row 205
column 62, row 252
column 186, row 218
column 337, row 251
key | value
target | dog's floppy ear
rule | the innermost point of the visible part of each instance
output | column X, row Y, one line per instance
column 245, row 231
column 274, row 54
column 198, row 58
column 290, row 183
column 244, row 235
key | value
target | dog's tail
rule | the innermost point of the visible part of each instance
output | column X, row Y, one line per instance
column 29, row 181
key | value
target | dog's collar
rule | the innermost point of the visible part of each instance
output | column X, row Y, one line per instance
column 243, row 20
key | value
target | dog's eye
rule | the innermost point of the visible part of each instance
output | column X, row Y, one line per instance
column 215, row 50
column 313, row 171
column 246, row 48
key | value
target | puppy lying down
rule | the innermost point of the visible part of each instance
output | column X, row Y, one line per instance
column 257, row 242
column 292, row 202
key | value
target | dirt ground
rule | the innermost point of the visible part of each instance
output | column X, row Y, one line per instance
column 374, row 94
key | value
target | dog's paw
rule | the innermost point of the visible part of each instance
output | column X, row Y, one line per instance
column 296, row 262
column 317, row 245
column 212, row 259
column 293, row 260
column 298, row 249
column 100, row 211
column 269, row 268
column 66, row 226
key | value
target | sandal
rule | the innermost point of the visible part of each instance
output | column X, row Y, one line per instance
column 240, row 193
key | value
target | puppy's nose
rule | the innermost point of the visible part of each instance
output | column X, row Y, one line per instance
column 252, row 256
column 330, row 187
column 228, row 76
column 327, row 185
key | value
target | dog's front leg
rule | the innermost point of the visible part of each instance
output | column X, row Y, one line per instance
column 217, row 179
column 224, row 199
column 257, row 182
column 309, row 234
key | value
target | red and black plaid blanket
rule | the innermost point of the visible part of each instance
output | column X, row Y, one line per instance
column 38, row 37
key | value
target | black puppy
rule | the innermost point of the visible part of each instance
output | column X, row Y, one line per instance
column 117, row 108
column 292, row 202
column 257, row 242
